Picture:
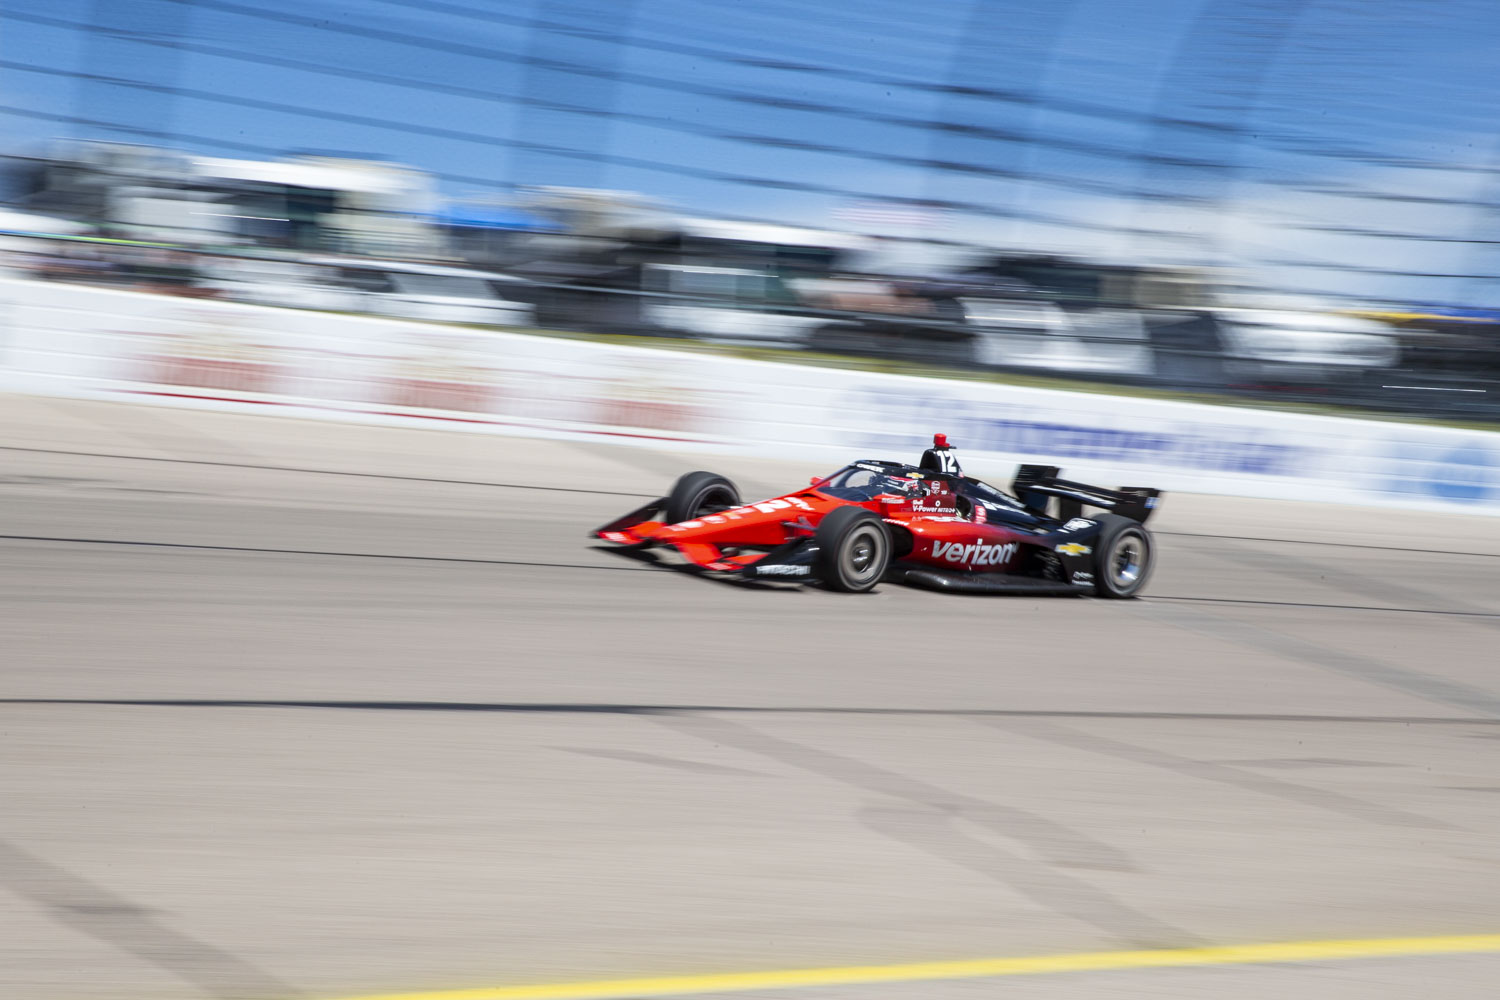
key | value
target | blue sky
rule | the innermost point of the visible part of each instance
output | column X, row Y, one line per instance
column 1306, row 117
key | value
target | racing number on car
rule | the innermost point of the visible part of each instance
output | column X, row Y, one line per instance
column 947, row 460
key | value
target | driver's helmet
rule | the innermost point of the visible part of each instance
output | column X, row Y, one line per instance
column 940, row 457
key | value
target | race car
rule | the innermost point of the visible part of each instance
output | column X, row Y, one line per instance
column 926, row 524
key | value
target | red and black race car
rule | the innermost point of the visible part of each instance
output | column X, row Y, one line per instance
column 925, row 524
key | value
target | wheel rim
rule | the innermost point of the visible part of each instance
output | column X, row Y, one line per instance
column 1127, row 562
column 862, row 555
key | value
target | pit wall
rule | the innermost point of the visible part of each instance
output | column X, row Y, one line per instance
column 68, row 340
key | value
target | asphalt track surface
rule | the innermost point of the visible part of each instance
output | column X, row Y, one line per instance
column 305, row 711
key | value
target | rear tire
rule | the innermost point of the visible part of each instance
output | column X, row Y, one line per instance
column 1123, row 556
column 699, row 493
column 854, row 549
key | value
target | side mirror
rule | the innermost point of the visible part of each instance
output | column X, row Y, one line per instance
column 815, row 480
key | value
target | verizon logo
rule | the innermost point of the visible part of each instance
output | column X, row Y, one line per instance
column 977, row 553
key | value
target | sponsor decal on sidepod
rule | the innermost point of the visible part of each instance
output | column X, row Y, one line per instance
column 977, row 553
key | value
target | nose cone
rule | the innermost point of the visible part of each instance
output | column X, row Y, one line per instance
column 752, row 524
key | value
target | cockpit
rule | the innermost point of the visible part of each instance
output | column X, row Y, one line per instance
column 864, row 481
column 861, row 482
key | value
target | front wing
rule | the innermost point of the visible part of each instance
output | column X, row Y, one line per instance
column 637, row 529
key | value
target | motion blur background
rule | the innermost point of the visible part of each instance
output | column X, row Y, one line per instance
column 330, row 328
column 1286, row 199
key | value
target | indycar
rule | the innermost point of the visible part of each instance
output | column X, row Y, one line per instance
column 926, row 525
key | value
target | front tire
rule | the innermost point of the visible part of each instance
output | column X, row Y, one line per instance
column 1123, row 557
column 854, row 549
column 699, row 493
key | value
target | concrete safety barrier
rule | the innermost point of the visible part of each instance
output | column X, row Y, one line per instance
column 70, row 340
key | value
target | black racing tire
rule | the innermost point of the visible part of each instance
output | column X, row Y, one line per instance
column 854, row 550
column 699, row 493
column 1124, row 554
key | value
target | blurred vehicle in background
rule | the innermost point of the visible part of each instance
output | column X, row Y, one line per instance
column 308, row 202
column 1037, row 334
column 1076, row 317
column 434, row 292
column 1271, row 351
column 708, row 279
column 146, row 267
column 1276, row 347
column 727, row 304
column 1160, row 325
column 907, row 320
column 269, row 282
column 428, row 292
column 1086, row 284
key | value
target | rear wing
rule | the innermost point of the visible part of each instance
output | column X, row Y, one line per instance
column 1036, row 485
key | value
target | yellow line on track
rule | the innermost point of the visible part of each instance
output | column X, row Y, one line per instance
column 978, row 968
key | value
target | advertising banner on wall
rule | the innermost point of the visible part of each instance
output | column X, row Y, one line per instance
column 100, row 343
